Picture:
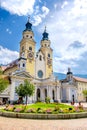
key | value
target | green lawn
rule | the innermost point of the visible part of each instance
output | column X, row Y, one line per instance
column 49, row 105
column 53, row 108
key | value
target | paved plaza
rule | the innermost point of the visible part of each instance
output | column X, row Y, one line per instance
column 30, row 124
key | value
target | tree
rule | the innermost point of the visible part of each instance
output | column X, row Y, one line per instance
column 3, row 84
column 85, row 94
column 25, row 90
column 1, row 72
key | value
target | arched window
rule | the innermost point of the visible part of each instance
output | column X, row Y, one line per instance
column 27, row 36
column 45, row 93
column 53, row 95
column 38, row 94
column 48, row 55
column 30, row 48
column 40, row 57
column 23, row 64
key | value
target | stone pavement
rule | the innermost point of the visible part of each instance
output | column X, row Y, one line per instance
column 30, row 124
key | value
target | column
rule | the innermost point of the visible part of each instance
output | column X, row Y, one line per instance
column 12, row 91
column 58, row 94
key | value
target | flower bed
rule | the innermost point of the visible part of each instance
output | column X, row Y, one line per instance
column 44, row 108
column 44, row 111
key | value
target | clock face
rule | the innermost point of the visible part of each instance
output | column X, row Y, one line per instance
column 30, row 55
column 40, row 73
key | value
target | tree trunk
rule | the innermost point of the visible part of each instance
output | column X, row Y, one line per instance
column 26, row 99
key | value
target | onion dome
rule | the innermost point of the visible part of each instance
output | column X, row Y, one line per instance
column 28, row 26
column 45, row 35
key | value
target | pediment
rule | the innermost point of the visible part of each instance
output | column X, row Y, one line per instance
column 22, row 74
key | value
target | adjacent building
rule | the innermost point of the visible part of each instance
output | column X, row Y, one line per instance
column 72, row 88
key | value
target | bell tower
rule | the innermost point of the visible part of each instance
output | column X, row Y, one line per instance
column 27, row 49
column 48, row 54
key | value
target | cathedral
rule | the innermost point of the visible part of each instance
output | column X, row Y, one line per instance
column 37, row 67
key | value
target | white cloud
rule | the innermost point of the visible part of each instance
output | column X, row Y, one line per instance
column 68, row 25
column 8, row 30
column 79, row 9
column 55, row 5
column 19, row 7
column 26, row 7
column 64, row 4
column 45, row 11
column 40, row 14
column 37, row 20
column 7, row 56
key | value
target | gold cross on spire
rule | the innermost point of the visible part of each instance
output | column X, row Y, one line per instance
column 45, row 28
column 28, row 18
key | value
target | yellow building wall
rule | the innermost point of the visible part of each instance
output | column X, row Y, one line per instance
column 46, row 51
column 30, row 67
column 81, row 86
column 26, row 43
column 49, row 70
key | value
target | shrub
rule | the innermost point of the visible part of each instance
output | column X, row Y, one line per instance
column 56, row 108
column 39, row 100
column 31, row 110
column 49, row 111
column 70, row 108
column 80, row 107
column 38, row 109
column 41, row 111
column 65, row 111
column 18, row 110
column 61, row 111
column 9, row 108
column 47, row 99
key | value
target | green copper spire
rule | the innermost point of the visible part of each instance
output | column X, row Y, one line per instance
column 45, row 35
column 28, row 25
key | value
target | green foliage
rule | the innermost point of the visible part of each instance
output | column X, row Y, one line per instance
column 44, row 108
column 85, row 93
column 20, row 90
column 38, row 100
column 31, row 110
column 1, row 72
column 29, row 88
column 47, row 99
column 25, row 90
column 56, row 108
column 3, row 84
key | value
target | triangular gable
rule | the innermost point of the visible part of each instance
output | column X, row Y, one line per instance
column 23, row 74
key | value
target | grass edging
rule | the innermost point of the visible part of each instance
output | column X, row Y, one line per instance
column 43, row 116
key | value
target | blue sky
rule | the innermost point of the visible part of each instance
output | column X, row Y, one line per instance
column 66, row 22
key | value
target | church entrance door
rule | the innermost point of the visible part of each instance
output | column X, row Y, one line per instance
column 45, row 91
column 38, row 94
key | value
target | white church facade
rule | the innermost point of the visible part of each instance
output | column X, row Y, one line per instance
column 37, row 67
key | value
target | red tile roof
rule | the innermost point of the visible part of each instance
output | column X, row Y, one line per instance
column 80, row 79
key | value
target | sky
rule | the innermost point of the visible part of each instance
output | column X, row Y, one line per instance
column 66, row 22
